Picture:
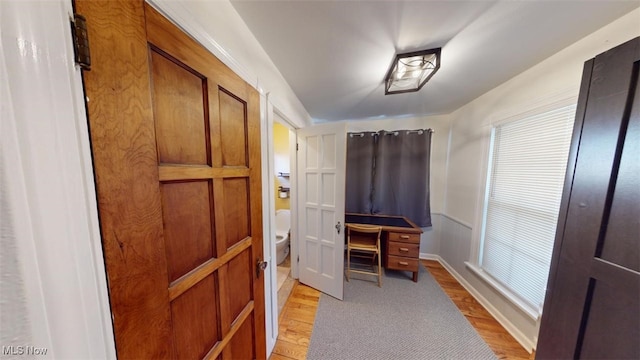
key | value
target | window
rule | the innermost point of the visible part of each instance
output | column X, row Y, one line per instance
column 526, row 176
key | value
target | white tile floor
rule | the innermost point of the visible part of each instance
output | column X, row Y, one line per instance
column 285, row 282
column 283, row 273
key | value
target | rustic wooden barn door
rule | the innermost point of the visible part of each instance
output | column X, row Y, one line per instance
column 175, row 139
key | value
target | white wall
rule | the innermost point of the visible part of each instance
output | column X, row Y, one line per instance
column 554, row 79
column 219, row 28
column 429, row 241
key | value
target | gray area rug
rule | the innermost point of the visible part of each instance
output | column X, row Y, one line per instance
column 401, row 320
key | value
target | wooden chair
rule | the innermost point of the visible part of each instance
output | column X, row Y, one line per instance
column 363, row 241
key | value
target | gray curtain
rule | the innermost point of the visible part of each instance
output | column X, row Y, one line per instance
column 360, row 157
column 401, row 175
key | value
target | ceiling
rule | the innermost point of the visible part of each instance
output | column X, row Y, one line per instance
column 335, row 54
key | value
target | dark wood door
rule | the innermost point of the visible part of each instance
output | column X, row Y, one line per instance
column 175, row 140
column 592, row 308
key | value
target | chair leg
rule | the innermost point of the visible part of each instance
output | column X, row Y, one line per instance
column 379, row 271
column 348, row 263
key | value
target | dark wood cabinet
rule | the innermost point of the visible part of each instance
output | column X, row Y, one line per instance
column 402, row 252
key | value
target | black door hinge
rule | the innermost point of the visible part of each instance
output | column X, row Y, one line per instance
column 80, row 41
column 297, row 147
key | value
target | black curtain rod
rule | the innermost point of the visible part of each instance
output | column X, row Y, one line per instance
column 396, row 132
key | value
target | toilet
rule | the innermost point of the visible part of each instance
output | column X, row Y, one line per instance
column 283, row 225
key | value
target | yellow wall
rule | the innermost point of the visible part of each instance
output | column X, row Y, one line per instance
column 281, row 161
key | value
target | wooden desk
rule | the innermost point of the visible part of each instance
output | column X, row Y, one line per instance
column 400, row 237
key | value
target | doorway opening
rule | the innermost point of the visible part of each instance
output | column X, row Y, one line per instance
column 282, row 157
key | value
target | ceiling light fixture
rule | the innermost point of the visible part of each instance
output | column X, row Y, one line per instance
column 410, row 71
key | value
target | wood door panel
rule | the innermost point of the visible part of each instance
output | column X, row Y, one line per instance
column 160, row 32
column 219, row 77
column 126, row 175
column 233, row 124
column 180, row 111
column 168, row 188
column 239, row 283
column 236, row 210
column 242, row 344
column 618, row 325
column 188, row 226
column 194, row 316
column 621, row 242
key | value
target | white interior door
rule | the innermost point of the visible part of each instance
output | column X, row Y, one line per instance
column 321, row 179
column 268, row 223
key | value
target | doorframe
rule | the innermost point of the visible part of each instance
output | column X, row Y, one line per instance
column 293, row 201
column 293, row 193
column 268, row 223
column 268, row 115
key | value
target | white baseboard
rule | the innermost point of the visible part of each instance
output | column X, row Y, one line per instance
column 523, row 340
column 427, row 256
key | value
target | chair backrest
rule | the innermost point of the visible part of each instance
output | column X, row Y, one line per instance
column 369, row 233
column 367, row 229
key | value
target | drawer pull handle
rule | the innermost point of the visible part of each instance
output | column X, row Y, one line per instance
column 404, row 236
column 403, row 263
column 404, row 249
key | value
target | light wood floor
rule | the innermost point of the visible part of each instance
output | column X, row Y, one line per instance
column 298, row 315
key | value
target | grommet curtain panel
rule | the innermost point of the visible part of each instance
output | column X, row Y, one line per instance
column 359, row 182
column 397, row 162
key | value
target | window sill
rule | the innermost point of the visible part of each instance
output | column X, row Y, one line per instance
column 533, row 313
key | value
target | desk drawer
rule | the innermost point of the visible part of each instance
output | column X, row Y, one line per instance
column 404, row 249
column 404, row 237
column 402, row 263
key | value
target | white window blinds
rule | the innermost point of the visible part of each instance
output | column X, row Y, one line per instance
column 527, row 168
